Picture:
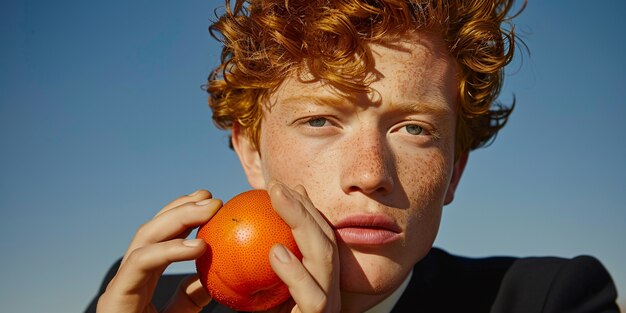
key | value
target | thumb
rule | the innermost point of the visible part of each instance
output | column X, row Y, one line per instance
column 189, row 298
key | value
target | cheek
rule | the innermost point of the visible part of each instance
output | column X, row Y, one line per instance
column 276, row 149
column 426, row 176
column 425, row 182
column 287, row 159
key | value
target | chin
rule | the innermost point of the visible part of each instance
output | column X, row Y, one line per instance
column 369, row 273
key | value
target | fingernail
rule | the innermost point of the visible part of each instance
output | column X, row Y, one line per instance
column 204, row 202
column 281, row 253
column 192, row 242
column 194, row 193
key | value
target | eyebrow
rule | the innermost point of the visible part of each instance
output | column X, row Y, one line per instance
column 405, row 106
column 423, row 107
column 323, row 100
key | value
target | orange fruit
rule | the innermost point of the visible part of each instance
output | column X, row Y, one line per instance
column 235, row 268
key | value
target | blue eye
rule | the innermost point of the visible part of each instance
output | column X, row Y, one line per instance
column 414, row 129
column 317, row 122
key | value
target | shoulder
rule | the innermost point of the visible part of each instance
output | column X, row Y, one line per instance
column 550, row 284
column 445, row 282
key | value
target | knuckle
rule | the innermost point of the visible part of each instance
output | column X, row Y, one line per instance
column 104, row 298
column 304, row 221
column 137, row 256
column 321, row 304
column 316, row 301
column 300, row 275
column 143, row 230
column 103, row 301
column 328, row 255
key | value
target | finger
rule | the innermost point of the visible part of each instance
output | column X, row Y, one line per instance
column 304, row 289
column 299, row 219
column 190, row 297
column 196, row 196
column 303, row 196
column 175, row 223
column 300, row 196
column 147, row 262
column 319, row 252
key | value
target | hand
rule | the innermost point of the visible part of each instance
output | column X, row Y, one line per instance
column 157, row 244
column 314, row 282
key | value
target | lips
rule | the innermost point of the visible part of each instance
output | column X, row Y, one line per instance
column 367, row 230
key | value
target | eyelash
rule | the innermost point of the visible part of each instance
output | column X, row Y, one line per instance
column 424, row 130
column 317, row 119
column 314, row 122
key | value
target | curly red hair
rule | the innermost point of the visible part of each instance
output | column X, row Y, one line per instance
column 264, row 42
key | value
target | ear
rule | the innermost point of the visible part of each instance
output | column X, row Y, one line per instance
column 457, row 171
column 249, row 157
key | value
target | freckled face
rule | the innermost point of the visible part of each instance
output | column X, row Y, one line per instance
column 386, row 156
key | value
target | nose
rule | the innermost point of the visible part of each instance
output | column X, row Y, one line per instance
column 367, row 165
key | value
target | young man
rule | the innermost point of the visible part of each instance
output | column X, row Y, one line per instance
column 358, row 117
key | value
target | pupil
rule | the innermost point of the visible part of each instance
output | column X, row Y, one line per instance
column 414, row 129
column 318, row 122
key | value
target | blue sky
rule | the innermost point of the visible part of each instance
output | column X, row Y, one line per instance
column 103, row 121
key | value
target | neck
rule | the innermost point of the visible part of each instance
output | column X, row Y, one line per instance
column 379, row 303
column 358, row 302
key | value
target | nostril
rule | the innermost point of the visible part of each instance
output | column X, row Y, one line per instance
column 353, row 189
column 379, row 189
column 368, row 182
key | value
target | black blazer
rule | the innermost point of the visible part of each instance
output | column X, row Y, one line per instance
column 446, row 283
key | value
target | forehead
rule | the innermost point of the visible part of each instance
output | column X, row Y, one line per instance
column 413, row 67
